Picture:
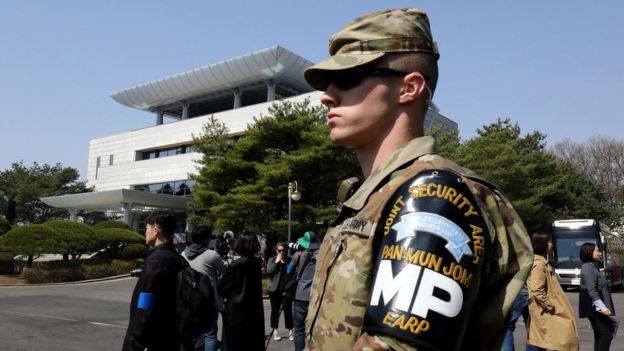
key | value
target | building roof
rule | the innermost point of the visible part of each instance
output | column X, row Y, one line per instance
column 111, row 199
column 278, row 64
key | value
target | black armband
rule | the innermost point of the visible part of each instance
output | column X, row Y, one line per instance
column 432, row 240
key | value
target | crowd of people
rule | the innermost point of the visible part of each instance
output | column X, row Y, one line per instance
column 234, row 269
column 424, row 254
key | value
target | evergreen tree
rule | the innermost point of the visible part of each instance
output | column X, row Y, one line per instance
column 26, row 185
column 541, row 188
column 243, row 184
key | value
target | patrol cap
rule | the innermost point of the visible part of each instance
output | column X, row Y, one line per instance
column 372, row 36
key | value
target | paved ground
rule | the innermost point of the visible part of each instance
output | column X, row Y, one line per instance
column 94, row 316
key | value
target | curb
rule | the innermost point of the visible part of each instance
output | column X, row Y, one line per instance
column 72, row 283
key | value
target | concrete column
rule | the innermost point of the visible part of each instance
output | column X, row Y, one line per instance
column 185, row 110
column 127, row 214
column 73, row 214
column 237, row 98
column 159, row 117
column 270, row 90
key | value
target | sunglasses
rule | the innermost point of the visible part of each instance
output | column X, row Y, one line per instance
column 350, row 78
column 280, row 250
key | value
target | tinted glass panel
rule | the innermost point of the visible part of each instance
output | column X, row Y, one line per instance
column 167, row 188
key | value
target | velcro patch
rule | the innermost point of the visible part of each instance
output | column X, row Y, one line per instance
column 428, row 268
column 357, row 226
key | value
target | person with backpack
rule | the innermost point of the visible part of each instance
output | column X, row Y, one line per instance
column 277, row 269
column 241, row 287
column 153, row 308
column 305, row 262
column 208, row 263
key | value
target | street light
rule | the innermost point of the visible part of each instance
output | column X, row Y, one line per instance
column 293, row 194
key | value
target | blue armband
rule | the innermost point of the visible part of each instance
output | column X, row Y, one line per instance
column 146, row 301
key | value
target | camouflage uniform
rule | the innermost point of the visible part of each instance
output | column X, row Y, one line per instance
column 344, row 268
column 345, row 309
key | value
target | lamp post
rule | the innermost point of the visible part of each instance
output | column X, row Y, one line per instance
column 293, row 194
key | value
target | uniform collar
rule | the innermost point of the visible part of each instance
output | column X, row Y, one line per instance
column 407, row 153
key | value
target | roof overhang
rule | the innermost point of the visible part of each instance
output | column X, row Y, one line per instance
column 276, row 64
column 116, row 198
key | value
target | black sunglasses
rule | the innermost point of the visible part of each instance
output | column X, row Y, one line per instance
column 350, row 78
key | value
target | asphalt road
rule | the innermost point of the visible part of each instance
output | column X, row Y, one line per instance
column 94, row 316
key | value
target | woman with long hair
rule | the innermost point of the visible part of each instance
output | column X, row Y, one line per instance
column 241, row 287
column 552, row 323
column 595, row 301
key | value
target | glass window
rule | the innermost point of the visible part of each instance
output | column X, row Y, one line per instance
column 181, row 188
column 179, row 150
column 97, row 161
column 155, row 188
column 162, row 153
column 188, row 149
column 142, row 187
column 110, row 160
column 167, row 188
column 150, row 154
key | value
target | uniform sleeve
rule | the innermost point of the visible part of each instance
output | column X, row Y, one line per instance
column 149, row 303
column 453, row 256
column 508, row 266
column 538, row 288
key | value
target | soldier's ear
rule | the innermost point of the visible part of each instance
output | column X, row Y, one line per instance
column 413, row 87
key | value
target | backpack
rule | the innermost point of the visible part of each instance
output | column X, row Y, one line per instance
column 195, row 302
column 290, row 289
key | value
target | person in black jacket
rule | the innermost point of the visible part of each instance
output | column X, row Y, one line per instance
column 153, row 307
column 595, row 301
column 241, row 287
column 277, row 269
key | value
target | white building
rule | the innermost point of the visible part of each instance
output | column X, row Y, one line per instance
column 149, row 168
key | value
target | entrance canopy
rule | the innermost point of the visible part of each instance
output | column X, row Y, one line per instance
column 126, row 201
column 114, row 199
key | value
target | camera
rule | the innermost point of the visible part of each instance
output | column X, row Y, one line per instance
column 295, row 246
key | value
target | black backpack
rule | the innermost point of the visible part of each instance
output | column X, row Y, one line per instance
column 195, row 303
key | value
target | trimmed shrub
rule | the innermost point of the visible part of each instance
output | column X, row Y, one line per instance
column 112, row 268
column 114, row 240
column 133, row 251
column 33, row 240
column 38, row 275
column 75, row 270
column 79, row 238
column 111, row 224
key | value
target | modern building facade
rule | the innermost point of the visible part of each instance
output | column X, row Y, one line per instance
column 159, row 159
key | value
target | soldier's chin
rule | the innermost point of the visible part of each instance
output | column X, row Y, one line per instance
column 338, row 139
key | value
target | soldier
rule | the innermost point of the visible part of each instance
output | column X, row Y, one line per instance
column 424, row 255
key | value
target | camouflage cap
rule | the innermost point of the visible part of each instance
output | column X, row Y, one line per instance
column 370, row 37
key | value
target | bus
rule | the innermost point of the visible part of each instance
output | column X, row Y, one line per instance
column 568, row 237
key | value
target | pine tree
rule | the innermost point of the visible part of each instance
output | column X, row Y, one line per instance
column 242, row 182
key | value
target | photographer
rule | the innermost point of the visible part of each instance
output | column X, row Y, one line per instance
column 305, row 262
column 277, row 269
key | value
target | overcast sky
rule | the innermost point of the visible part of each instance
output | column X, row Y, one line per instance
column 553, row 66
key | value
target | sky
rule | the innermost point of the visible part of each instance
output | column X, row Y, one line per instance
column 554, row 66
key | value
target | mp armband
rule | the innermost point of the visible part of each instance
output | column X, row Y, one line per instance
column 428, row 266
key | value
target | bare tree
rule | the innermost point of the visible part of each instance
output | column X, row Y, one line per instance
column 602, row 159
